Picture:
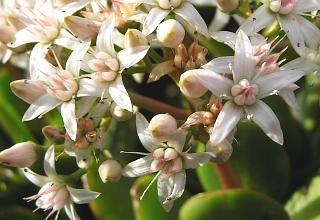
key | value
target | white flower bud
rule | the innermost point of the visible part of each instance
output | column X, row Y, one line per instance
column 162, row 127
column 170, row 33
column 134, row 38
column 228, row 5
column 190, row 85
column 19, row 155
column 222, row 151
column 169, row 4
column 110, row 171
column 119, row 113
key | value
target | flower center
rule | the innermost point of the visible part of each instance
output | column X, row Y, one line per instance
column 169, row 4
column 282, row 6
column 166, row 159
column 244, row 93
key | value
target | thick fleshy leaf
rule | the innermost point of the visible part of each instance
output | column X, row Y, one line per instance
column 244, row 64
column 119, row 94
column 192, row 16
column 89, row 87
column 41, row 106
column 220, row 64
column 263, row 116
column 104, row 38
column 74, row 61
column 153, row 19
column 226, row 37
column 258, row 20
column 131, row 56
column 195, row 160
column 138, row 167
column 69, row 118
column 217, row 84
column 276, row 81
column 227, row 120
column 36, row 179
column 71, row 211
column 160, row 70
column 49, row 163
column 82, row 196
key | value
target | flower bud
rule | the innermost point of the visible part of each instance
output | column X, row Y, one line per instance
column 169, row 4
column 222, row 151
column 190, row 85
column 228, row 5
column 119, row 113
column 83, row 28
column 170, row 33
column 162, row 127
column 110, row 171
column 134, row 38
column 53, row 134
column 19, row 155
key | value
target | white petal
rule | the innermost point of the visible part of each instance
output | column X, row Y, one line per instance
column 71, row 8
column 74, row 61
column 165, row 187
column 147, row 141
column 300, row 64
column 311, row 33
column 227, row 120
column 138, row 167
column 307, row 6
column 119, row 94
column 160, row 70
column 192, row 16
column 149, row 2
column 219, row 21
column 82, row 196
column 178, row 185
column 23, row 36
column 49, row 163
column 220, row 64
column 276, row 81
column 177, row 140
column 226, row 37
column 289, row 97
column 195, row 160
column 71, row 211
column 154, row 18
column 244, row 64
column 291, row 26
column 89, row 87
column 131, row 56
column 217, row 84
column 258, row 20
column 38, row 52
column 98, row 111
column 41, row 106
column 67, row 40
column 104, row 38
column 69, row 118
column 263, row 116
column 35, row 178
column 84, row 105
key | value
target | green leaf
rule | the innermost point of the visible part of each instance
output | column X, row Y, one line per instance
column 231, row 205
column 304, row 204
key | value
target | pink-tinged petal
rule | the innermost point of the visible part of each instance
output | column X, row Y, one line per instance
column 49, row 163
column 66, row 40
column 38, row 54
column 311, row 33
column 299, row 64
column 192, row 16
column 28, row 90
column 226, row 37
column 82, row 196
column 84, row 105
column 153, row 19
column 220, row 64
column 195, row 160
column 71, row 211
column 148, row 2
column 69, row 118
column 288, row 95
column 71, row 8
column 276, row 81
column 219, row 21
column 104, row 38
column 263, row 116
column 138, row 167
column 41, row 106
column 74, row 61
column 119, row 94
column 35, row 178
column 244, row 64
column 306, row 6
column 217, row 84
column 258, row 20
column 227, row 120
column 131, row 56
column 89, row 87
column 22, row 37
column 83, row 28
column 149, row 143
column 161, row 70
column 177, row 140
column 290, row 25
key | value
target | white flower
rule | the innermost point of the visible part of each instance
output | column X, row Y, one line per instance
column 106, row 66
column 161, row 8
column 54, row 193
column 167, row 159
column 244, row 91
column 55, row 87
column 289, row 14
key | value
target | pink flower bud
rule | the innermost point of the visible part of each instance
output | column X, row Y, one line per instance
column 162, row 127
column 228, row 5
column 170, row 154
column 169, row 4
column 19, row 155
column 170, row 33
column 190, row 85
column 110, row 171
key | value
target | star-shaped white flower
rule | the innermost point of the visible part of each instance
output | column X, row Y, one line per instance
column 244, row 91
column 167, row 159
column 289, row 14
column 55, row 194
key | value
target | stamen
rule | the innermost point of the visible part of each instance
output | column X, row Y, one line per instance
column 152, row 181
column 133, row 152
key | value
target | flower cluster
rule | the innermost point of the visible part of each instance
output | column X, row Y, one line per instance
column 79, row 54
